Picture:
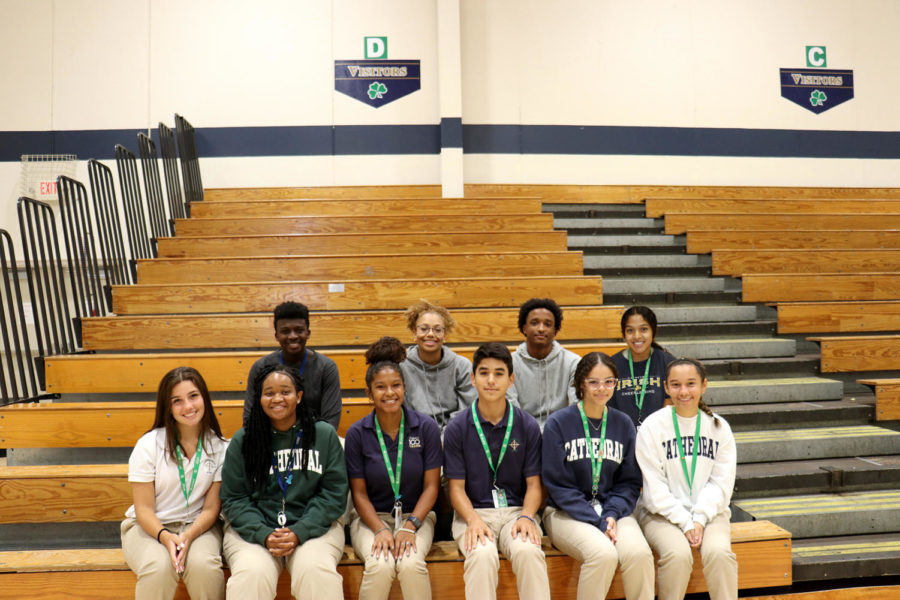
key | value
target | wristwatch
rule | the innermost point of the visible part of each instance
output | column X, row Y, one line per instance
column 417, row 523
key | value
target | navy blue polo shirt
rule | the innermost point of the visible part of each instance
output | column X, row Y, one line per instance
column 464, row 455
column 365, row 461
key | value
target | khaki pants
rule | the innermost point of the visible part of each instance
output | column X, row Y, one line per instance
column 676, row 560
column 156, row 575
column 380, row 572
column 312, row 565
column 599, row 556
column 480, row 571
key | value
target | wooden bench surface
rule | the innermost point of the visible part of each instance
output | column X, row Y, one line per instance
column 704, row 242
column 383, row 243
column 362, row 207
column 373, row 266
column 799, row 287
column 657, row 207
column 763, row 551
column 255, row 330
column 222, row 371
column 887, row 398
column 677, row 223
column 116, row 424
column 385, row 223
column 859, row 353
column 354, row 295
column 838, row 317
column 737, row 262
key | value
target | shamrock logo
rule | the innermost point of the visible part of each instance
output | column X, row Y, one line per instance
column 377, row 90
column 817, row 98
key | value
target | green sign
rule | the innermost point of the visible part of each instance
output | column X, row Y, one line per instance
column 376, row 47
column 815, row 57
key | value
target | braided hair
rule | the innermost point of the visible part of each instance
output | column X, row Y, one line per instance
column 257, row 448
column 701, row 371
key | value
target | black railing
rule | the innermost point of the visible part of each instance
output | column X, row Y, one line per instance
column 177, row 206
column 132, row 201
column 78, row 232
column 119, row 270
column 53, row 326
column 190, row 161
column 156, row 206
column 18, row 379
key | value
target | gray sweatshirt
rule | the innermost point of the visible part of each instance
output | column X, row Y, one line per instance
column 440, row 390
column 546, row 385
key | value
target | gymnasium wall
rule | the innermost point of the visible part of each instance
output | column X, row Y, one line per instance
column 581, row 91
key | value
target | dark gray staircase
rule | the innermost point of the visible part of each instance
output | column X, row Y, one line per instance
column 811, row 457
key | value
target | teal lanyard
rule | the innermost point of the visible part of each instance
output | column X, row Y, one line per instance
column 484, row 444
column 596, row 458
column 681, row 451
column 184, row 488
column 639, row 398
column 394, row 476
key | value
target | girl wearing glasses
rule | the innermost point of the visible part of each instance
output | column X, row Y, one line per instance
column 593, row 482
column 642, row 366
column 438, row 381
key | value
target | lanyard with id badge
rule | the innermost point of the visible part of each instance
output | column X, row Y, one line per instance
column 185, row 490
column 393, row 475
column 596, row 457
column 285, row 481
column 498, row 495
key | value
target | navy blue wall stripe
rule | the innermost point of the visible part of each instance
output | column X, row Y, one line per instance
column 475, row 139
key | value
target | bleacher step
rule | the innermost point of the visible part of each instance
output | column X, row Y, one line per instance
column 591, row 225
column 829, row 413
column 614, row 241
column 667, row 315
column 666, row 285
column 660, row 298
column 58, row 536
column 768, row 367
column 852, row 557
column 705, row 349
column 631, row 211
column 817, row 476
column 774, row 445
column 820, row 515
column 643, row 261
column 769, row 390
column 724, row 329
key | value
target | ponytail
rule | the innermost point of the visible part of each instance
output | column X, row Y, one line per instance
column 701, row 372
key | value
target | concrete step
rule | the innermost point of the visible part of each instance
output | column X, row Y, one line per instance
column 730, row 348
column 786, row 366
column 618, row 241
column 667, row 315
column 589, row 226
column 770, row 390
column 820, row 515
column 853, row 557
column 645, row 261
column 832, row 475
column 827, row 413
column 773, row 445
column 34, row 536
column 645, row 285
column 666, row 298
column 727, row 329
column 630, row 211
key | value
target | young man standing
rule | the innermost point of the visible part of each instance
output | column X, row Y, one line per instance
column 492, row 461
column 545, row 371
column 321, row 384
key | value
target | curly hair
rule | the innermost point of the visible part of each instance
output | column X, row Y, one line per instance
column 534, row 304
column 414, row 312
column 385, row 353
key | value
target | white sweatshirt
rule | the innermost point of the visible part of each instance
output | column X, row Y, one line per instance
column 666, row 491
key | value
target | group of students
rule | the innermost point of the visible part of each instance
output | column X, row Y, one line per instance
column 487, row 437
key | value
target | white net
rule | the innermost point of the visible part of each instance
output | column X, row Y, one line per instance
column 39, row 173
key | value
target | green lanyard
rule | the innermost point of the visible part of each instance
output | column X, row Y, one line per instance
column 184, row 488
column 394, row 476
column 596, row 461
column 484, row 444
column 681, row 452
column 639, row 399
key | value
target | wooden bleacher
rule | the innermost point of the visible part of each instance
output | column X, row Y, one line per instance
column 738, row 262
column 658, row 207
column 835, row 317
column 887, row 398
column 802, row 287
column 859, row 353
column 705, row 241
column 678, row 223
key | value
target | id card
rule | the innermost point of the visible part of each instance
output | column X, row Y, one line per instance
column 398, row 515
column 499, row 497
column 598, row 508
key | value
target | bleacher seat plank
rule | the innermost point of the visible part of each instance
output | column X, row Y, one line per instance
column 887, row 398
column 704, row 242
column 859, row 353
column 354, row 295
column 335, row 192
column 360, row 328
column 737, row 262
column 384, row 223
column 372, row 266
column 678, row 223
column 838, row 317
column 801, row 287
column 360, row 207
column 877, row 592
column 657, row 207
column 756, row 192
column 222, row 371
column 763, row 552
column 117, row 424
column 384, row 243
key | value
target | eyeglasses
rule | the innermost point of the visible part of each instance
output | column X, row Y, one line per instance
column 424, row 329
column 596, row 384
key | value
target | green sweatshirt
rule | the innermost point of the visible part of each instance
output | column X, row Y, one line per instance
column 315, row 498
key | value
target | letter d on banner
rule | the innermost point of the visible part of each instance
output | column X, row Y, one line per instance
column 376, row 47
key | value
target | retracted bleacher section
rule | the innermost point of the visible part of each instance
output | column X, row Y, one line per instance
column 103, row 359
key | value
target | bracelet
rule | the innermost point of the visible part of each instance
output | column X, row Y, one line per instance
column 526, row 517
column 385, row 528
column 159, row 533
column 408, row 530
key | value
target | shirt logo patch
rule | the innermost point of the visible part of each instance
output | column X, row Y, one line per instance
column 415, row 442
column 514, row 445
